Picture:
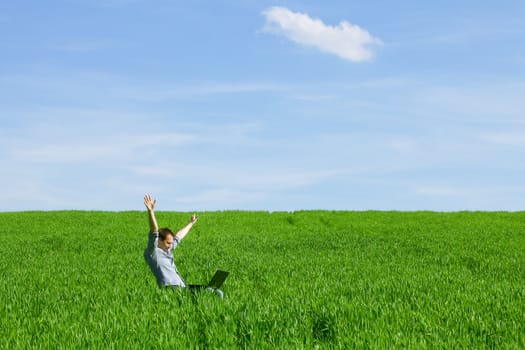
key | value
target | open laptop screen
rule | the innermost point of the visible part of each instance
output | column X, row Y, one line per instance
column 218, row 279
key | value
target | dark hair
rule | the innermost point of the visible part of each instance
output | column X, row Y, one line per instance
column 164, row 232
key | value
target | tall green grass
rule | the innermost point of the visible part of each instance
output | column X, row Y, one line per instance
column 301, row 280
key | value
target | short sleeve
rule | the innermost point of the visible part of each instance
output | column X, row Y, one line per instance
column 175, row 243
column 152, row 241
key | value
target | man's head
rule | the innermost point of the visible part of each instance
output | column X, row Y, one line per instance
column 165, row 239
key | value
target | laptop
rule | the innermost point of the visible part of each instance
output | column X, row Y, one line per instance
column 216, row 281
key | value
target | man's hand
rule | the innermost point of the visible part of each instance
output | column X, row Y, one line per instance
column 150, row 204
column 194, row 218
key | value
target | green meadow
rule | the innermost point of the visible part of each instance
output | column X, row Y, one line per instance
column 298, row 280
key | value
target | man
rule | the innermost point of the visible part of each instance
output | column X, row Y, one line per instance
column 159, row 252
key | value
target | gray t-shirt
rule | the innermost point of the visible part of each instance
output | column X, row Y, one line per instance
column 161, row 262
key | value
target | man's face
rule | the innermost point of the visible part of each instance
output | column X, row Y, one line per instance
column 166, row 244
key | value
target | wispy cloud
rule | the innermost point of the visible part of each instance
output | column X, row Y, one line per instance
column 440, row 191
column 474, row 197
column 346, row 40
column 236, row 188
column 82, row 46
column 220, row 197
column 256, row 176
column 515, row 138
column 167, row 92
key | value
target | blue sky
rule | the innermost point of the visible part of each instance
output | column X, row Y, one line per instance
column 262, row 105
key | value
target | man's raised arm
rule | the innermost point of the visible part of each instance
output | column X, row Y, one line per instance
column 150, row 205
column 183, row 231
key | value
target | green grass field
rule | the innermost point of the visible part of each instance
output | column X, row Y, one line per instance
column 308, row 279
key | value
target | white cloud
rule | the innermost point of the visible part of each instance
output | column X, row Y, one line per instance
column 346, row 40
